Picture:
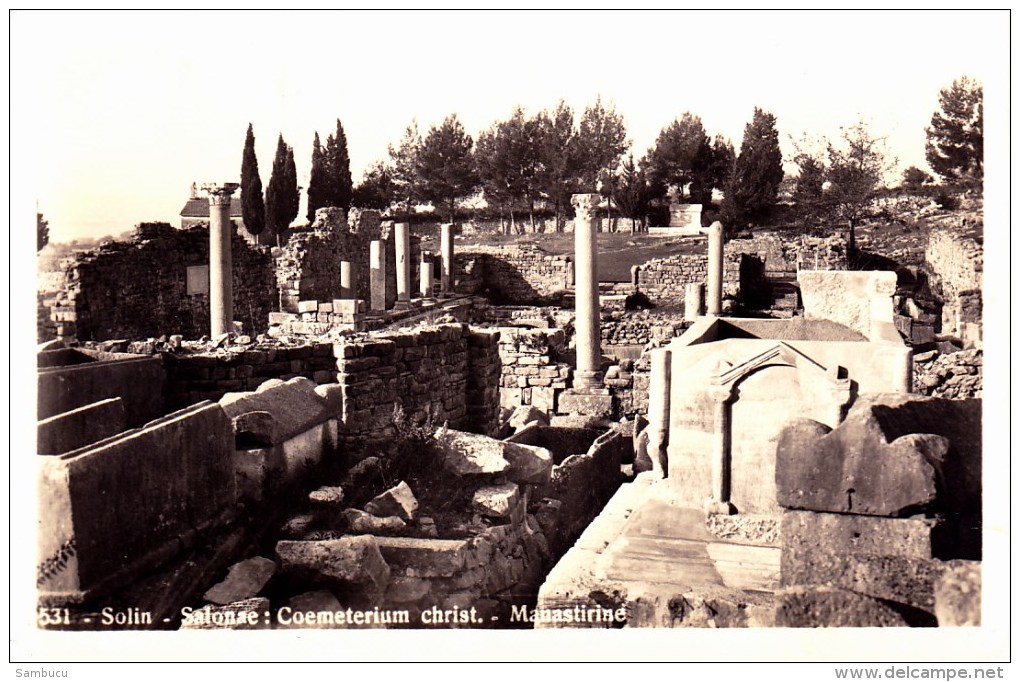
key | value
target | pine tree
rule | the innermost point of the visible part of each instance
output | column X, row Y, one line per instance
column 556, row 173
column 253, row 209
column 446, row 167
column 955, row 146
column 682, row 159
column 317, row 180
column 752, row 192
column 282, row 197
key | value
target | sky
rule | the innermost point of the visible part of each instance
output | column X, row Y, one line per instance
column 115, row 114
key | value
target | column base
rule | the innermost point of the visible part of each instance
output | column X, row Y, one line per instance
column 588, row 380
column 714, row 507
column 591, row 402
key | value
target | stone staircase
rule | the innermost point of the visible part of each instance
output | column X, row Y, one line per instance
column 785, row 295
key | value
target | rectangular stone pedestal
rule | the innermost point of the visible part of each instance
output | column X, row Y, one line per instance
column 588, row 402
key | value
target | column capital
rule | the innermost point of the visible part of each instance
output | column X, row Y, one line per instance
column 585, row 203
column 219, row 193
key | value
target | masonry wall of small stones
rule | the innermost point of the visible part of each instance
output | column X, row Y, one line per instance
column 952, row 375
column 425, row 372
column 513, row 274
column 139, row 289
column 531, row 373
column 639, row 327
column 192, row 378
column 784, row 256
column 955, row 265
column 663, row 279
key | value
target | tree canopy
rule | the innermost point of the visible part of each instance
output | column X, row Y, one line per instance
column 282, row 197
column 253, row 210
column 955, row 144
column 752, row 190
column 445, row 165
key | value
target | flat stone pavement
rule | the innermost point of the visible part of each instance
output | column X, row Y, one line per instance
column 646, row 546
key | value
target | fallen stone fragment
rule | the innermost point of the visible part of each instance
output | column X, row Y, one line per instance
column 526, row 414
column 352, row 559
column 397, row 501
column 528, row 463
column 256, row 429
column 327, row 496
column 496, row 500
column 319, row 601
column 244, row 580
column 467, row 454
column 362, row 522
column 297, row 526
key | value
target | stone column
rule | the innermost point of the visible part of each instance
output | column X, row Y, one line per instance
column 446, row 254
column 221, row 277
column 347, row 280
column 377, row 273
column 402, row 248
column 586, row 292
column 658, row 409
column 694, row 305
column 713, row 295
column 718, row 501
column 426, row 276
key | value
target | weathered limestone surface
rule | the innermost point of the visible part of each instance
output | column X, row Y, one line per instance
column 244, row 580
column 859, row 300
column 397, row 501
column 468, row 454
column 496, row 500
column 296, row 405
column 114, row 507
column 80, row 427
column 351, row 559
column 812, row 607
column 372, row 524
column 856, row 468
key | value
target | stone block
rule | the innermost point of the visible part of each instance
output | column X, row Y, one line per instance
column 497, row 501
column 365, row 523
column 525, row 414
column 856, row 468
column 804, row 531
column 308, row 306
column 115, row 507
column 584, row 403
column 529, row 464
column 255, row 429
column 466, row 454
column 313, row 602
column 353, row 559
column 397, row 501
column 244, row 580
column 295, row 404
column 424, row 558
column 81, row 426
column 813, row 607
column 327, row 496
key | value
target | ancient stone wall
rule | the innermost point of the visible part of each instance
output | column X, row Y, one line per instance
column 531, row 373
column 663, row 279
column 784, row 256
column 954, row 261
column 425, row 372
column 512, row 274
column 208, row 376
column 952, row 375
column 139, row 289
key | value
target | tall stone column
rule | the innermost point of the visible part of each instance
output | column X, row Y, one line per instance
column 713, row 295
column 446, row 254
column 658, row 409
column 221, row 277
column 347, row 280
column 586, row 292
column 402, row 248
column 377, row 273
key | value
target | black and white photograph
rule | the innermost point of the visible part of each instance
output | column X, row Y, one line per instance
column 382, row 336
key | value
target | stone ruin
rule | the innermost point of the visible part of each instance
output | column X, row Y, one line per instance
column 388, row 448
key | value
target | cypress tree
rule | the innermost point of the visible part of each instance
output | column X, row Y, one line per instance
column 339, row 185
column 282, row 196
column 252, row 207
column 317, row 183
